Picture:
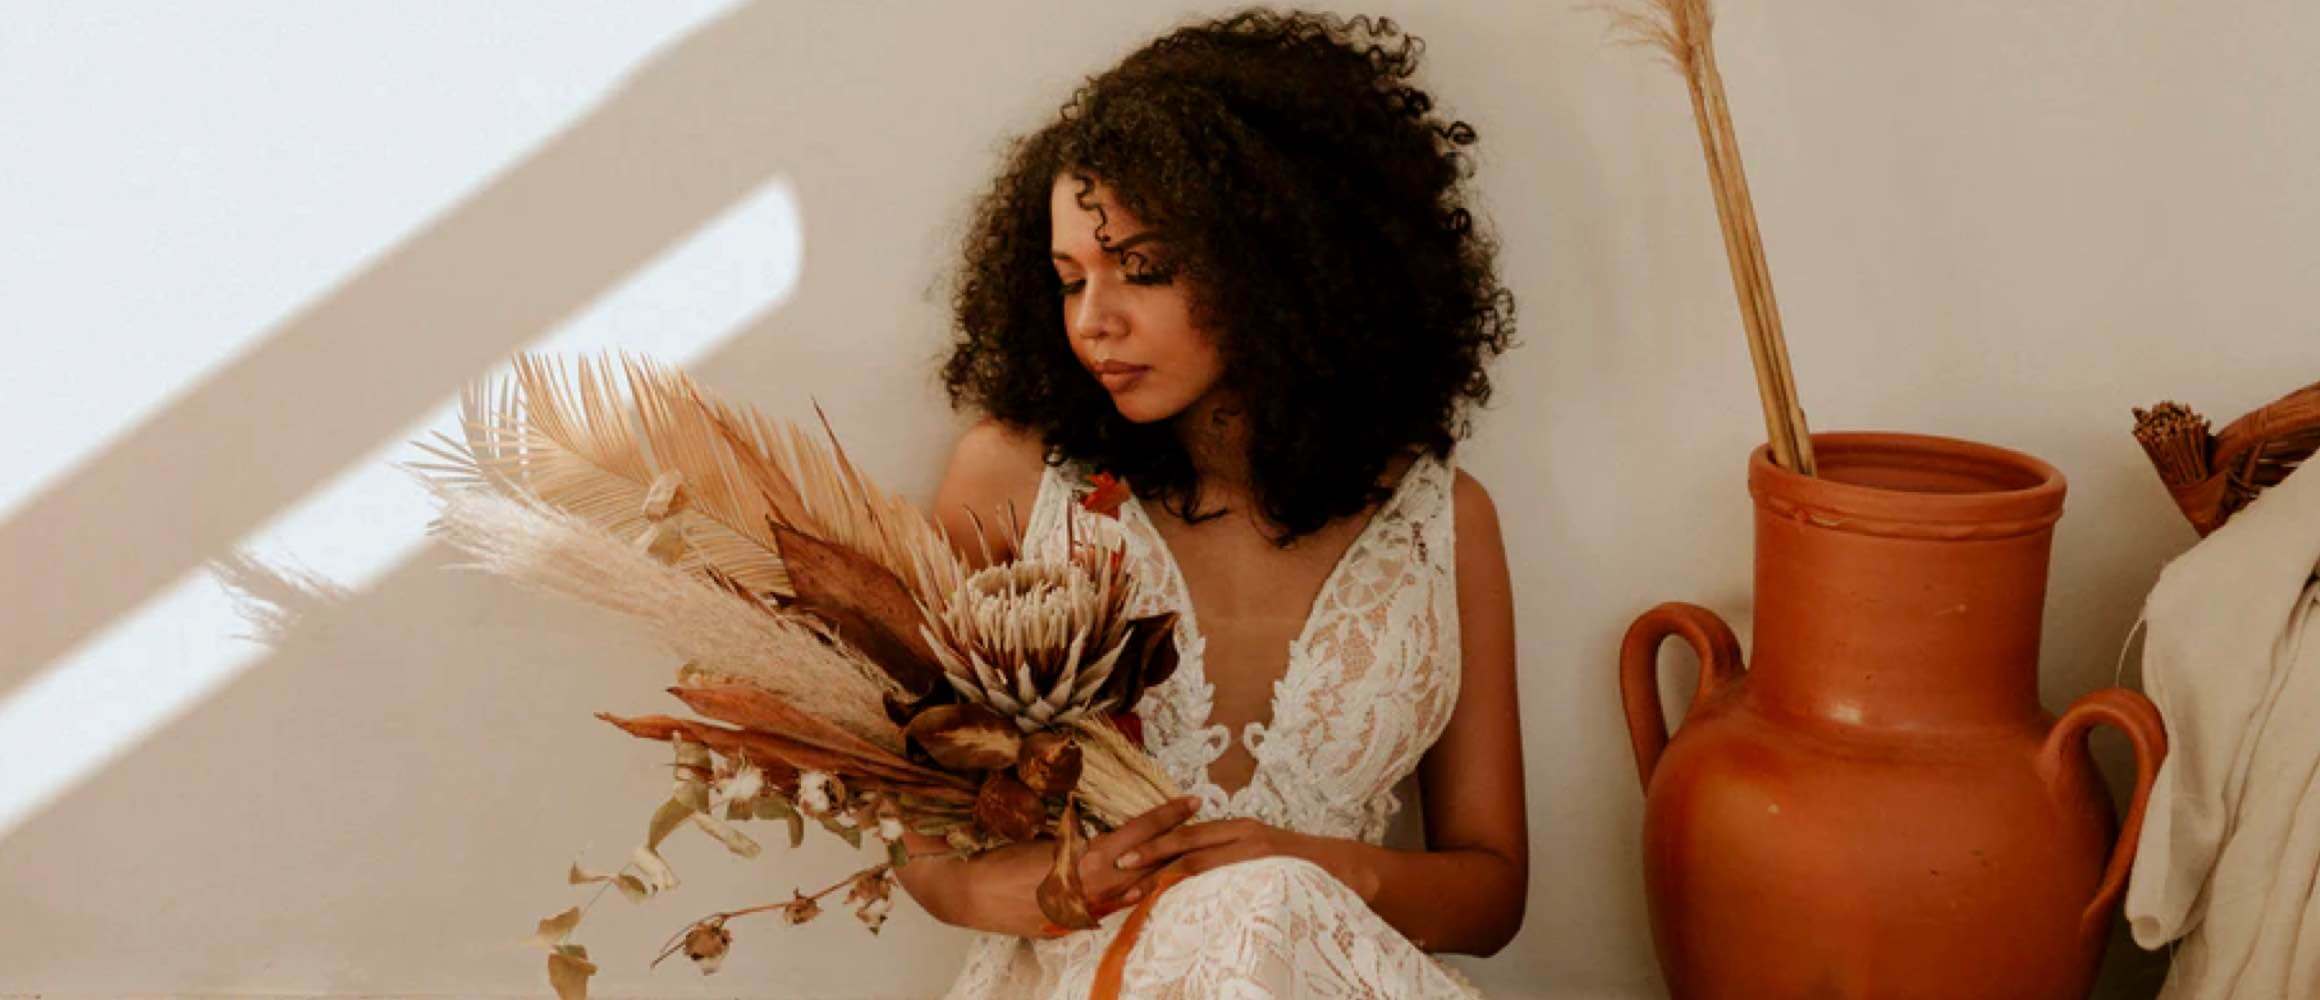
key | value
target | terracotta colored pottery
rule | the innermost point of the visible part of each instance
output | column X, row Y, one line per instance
column 1879, row 807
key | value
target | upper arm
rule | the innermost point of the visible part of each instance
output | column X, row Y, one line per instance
column 1471, row 780
column 993, row 473
column 991, row 482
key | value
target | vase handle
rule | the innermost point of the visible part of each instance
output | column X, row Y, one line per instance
column 1639, row 672
column 2134, row 715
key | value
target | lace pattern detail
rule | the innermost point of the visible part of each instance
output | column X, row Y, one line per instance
column 1370, row 683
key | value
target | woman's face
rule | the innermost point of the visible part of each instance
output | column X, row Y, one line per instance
column 1128, row 317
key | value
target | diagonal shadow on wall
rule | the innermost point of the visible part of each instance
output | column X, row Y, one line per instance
column 499, row 268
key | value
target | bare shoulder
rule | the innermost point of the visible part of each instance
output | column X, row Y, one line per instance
column 1483, row 586
column 993, row 468
column 1475, row 513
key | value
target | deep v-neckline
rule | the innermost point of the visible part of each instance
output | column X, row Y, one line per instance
column 1197, row 641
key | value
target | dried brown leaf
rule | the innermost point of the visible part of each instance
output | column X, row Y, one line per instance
column 629, row 885
column 664, row 820
column 568, row 972
column 784, row 759
column 657, row 875
column 734, row 840
column 1009, row 808
column 966, row 737
column 1050, row 763
column 1148, row 660
column 1062, row 897
column 866, row 603
column 553, row 930
column 755, row 709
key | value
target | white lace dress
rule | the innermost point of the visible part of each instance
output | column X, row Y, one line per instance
column 1371, row 682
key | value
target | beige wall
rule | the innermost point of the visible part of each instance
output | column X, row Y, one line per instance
column 2004, row 221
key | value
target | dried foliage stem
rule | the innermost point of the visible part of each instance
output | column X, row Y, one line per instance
column 1684, row 30
column 2213, row 476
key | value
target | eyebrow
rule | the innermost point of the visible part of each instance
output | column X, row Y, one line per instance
column 1127, row 244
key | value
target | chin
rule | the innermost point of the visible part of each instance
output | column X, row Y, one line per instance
column 1143, row 411
column 1135, row 414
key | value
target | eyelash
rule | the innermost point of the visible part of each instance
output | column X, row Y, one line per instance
column 1148, row 279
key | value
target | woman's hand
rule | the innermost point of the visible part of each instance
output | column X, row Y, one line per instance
column 997, row 890
column 1198, row 847
column 1105, row 874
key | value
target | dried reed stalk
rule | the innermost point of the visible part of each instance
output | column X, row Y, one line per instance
column 2177, row 440
column 1683, row 30
column 1120, row 780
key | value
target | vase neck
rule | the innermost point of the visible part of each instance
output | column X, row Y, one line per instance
column 1903, row 587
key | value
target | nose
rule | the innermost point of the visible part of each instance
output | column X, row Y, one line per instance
column 1097, row 316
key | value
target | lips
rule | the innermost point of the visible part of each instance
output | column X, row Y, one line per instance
column 1118, row 376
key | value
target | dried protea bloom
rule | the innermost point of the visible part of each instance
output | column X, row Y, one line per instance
column 1033, row 640
column 707, row 943
column 1045, row 642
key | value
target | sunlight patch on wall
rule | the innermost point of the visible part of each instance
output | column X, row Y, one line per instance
column 181, row 178
column 166, row 656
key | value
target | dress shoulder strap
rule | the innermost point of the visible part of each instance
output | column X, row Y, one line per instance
column 1043, row 528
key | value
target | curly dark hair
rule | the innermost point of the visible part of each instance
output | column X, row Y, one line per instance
column 1316, row 207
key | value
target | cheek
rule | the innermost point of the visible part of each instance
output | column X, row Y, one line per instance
column 1197, row 363
column 1189, row 349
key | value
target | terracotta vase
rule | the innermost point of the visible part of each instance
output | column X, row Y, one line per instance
column 1879, row 807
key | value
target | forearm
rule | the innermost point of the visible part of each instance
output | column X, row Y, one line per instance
column 993, row 891
column 1464, row 900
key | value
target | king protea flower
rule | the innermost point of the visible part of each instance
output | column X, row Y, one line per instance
column 1048, row 642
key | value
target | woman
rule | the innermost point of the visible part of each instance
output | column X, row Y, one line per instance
column 1236, row 274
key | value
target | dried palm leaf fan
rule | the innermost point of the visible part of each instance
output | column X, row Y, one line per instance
column 2213, row 476
column 1683, row 29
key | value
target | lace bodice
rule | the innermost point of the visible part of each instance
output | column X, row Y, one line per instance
column 1370, row 684
column 1371, row 678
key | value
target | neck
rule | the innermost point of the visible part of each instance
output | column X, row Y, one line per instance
column 1214, row 433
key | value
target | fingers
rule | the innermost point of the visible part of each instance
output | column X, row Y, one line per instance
column 1099, row 869
column 1154, row 822
column 1185, row 866
column 1183, row 839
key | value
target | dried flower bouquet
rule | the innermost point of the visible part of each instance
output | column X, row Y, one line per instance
column 847, row 666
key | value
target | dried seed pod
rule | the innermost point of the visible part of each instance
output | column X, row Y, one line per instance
column 870, row 884
column 873, row 913
column 707, row 943
column 801, row 909
column 1009, row 808
column 966, row 737
column 1049, row 764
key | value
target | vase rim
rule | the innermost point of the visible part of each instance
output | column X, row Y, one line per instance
column 1912, row 485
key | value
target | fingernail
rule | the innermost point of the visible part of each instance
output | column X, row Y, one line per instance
column 1127, row 860
column 1132, row 895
